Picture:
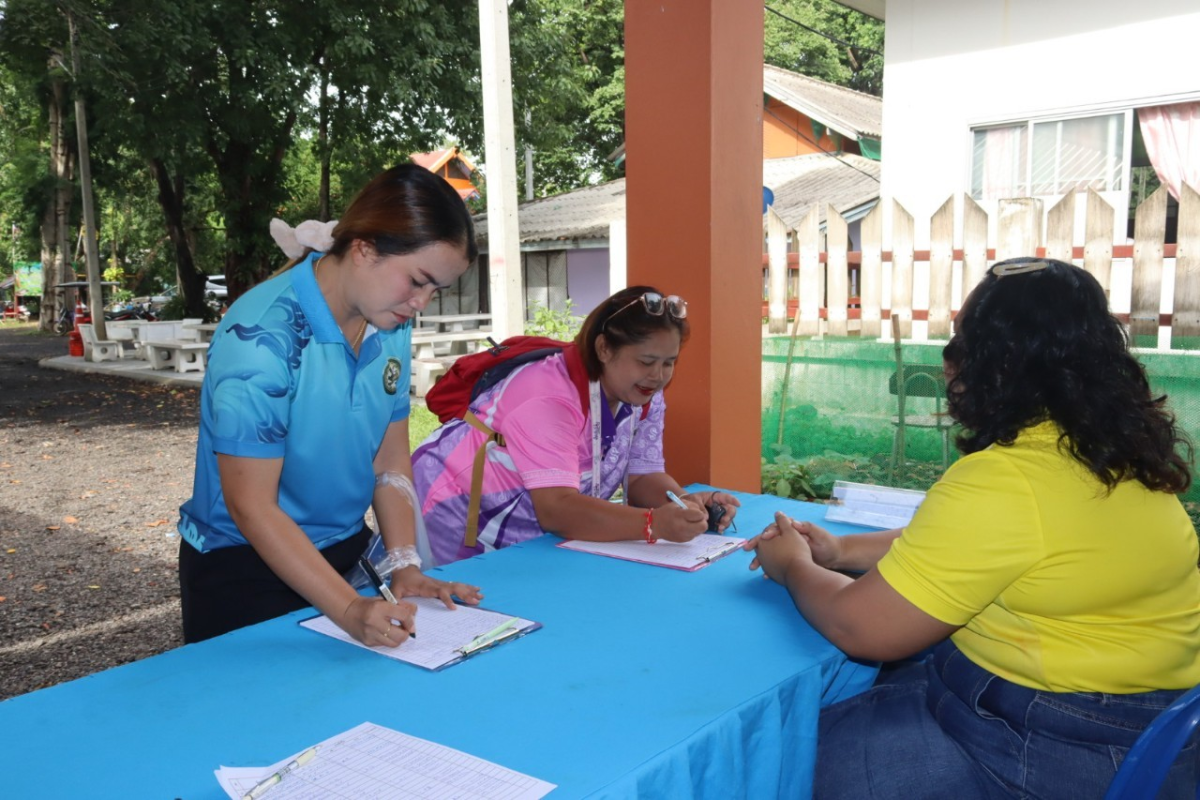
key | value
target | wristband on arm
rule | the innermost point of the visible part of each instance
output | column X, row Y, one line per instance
column 405, row 555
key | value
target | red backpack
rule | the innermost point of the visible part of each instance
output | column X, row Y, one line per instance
column 470, row 376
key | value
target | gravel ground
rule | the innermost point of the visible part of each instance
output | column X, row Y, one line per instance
column 92, row 472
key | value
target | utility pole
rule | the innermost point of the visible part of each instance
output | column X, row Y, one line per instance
column 95, row 294
column 504, row 247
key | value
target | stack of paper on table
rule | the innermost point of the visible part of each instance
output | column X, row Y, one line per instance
column 688, row 556
column 444, row 636
column 372, row 761
column 873, row 506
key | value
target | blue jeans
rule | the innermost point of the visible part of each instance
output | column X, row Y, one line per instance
column 946, row 728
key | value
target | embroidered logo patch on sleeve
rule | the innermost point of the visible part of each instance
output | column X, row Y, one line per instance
column 391, row 375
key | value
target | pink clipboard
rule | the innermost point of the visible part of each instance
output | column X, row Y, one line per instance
column 686, row 556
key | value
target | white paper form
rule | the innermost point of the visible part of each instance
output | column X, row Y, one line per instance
column 371, row 761
column 441, row 632
column 874, row 506
column 689, row 556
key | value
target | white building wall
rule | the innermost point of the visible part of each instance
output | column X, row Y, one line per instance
column 951, row 65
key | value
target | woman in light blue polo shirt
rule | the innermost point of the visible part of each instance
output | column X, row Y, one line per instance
column 304, row 420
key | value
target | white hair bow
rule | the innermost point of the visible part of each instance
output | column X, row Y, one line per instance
column 310, row 234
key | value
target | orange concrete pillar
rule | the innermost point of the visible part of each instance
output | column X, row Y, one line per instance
column 693, row 122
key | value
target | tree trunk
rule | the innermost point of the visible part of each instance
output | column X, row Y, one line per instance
column 50, row 301
column 64, row 195
column 56, row 267
column 250, row 191
column 171, row 198
column 323, row 148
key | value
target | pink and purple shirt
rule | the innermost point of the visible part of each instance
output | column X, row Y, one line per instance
column 548, row 443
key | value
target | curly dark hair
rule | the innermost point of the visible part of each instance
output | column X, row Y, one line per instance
column 1035, row 342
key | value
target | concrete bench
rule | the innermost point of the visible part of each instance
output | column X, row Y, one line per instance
column 183, row 356
column 455, row 322
column 99, row 349
column 425, row 344
column 165, row 331
column 426, row 371
column 187, row 331
column 121, row 331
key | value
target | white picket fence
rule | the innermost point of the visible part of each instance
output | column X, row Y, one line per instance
column 1152, row 286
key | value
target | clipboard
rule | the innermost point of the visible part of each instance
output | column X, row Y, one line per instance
column 445, row 637
column 685, row 556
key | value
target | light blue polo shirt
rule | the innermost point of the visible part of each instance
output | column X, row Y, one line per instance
column 282, row 382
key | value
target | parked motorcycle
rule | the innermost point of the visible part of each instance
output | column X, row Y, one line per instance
column 131, row 312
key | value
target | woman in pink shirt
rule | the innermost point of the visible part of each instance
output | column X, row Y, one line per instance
column 576, row 426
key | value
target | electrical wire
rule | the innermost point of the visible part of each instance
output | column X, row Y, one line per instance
column 822, row 34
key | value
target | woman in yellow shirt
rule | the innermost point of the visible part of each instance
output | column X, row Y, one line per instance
column 1054, row 563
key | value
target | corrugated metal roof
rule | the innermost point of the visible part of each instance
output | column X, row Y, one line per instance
column 848, row 112
column 846, row 181
column 581, row 214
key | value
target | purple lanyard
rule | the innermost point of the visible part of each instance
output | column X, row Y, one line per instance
column 609, row 423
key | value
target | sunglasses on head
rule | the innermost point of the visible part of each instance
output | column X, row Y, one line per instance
column 656, row 305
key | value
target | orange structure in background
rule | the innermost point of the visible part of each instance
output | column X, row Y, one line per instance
column 452, row 165
column 787, row 132
column 694, row 220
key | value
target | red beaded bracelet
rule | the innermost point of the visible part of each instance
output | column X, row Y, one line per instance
column 649, row 530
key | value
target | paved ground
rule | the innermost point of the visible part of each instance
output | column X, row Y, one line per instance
column 93, row 468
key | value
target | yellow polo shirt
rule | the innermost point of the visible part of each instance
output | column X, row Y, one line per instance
column 1057, row 586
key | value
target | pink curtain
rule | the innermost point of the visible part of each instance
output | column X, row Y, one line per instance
column 1172, row 136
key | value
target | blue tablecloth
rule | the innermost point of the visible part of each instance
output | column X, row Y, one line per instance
column 644, row 682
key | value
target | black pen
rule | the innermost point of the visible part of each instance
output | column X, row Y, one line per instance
column 380, row 586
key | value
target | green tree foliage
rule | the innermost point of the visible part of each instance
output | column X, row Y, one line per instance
column 208, row 117
column 226, row 87
column 33, row 39
column 23, row 170
column 569, row 74
column 231, row 81
column 568, row 88
column 789, row 41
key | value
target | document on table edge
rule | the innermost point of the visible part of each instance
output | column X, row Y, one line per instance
column 442, row 633
column 237, row 781
column 687, row 556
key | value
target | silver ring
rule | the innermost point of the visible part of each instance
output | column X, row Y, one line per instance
column 387, row 634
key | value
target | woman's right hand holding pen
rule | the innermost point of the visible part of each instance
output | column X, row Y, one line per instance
column 377, row 623
column 676, row 524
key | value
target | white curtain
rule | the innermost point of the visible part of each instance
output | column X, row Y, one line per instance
column 1000, row 159
column 1172, row 136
